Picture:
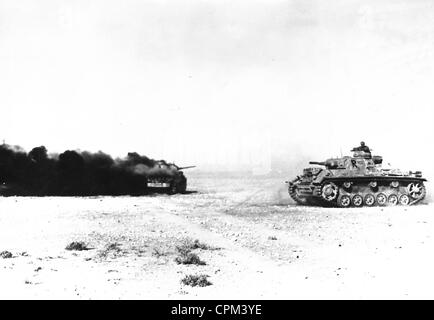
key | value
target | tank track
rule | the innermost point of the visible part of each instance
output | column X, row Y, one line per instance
column 360, row 193
column 292, row 190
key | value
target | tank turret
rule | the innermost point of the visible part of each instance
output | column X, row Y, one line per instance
column 357, row 180
column 329, row 163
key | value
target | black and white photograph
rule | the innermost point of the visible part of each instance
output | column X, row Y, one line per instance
column 216, row 150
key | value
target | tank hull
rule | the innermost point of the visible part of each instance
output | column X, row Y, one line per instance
column 169, row 185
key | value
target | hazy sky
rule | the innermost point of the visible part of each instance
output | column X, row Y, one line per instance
column 219, row 82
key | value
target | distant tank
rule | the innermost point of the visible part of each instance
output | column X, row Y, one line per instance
column 167, row 177
column 356, row 181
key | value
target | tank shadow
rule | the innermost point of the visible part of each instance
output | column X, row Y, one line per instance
column 190, row 192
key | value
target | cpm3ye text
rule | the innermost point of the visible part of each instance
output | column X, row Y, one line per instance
column 220, row 309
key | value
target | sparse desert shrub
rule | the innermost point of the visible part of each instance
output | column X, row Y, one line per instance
column 196, row 280
column 113, row 248
column 6, row 254
column 183, row 249
column 77, row 246
column 200, row 245
column 187, row 257
column 189, row 245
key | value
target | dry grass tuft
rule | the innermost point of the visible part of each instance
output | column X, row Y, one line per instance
column 6, row 254
column 112, row 249
column 189, row 244
column 186, row 256
column 196, row 280
column 77, row 246
column 189, row 258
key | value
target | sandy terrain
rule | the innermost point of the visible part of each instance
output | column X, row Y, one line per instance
column 260, row 246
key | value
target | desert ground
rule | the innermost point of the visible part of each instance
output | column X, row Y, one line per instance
column 253, row 242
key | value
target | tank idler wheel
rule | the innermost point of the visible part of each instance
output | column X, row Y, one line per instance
column 415, row 190
column 369, row 200
column 344, row 201
column 393, row 199
column 381, row 199
column 357, row 200
column 404, row 200
column 329, row 191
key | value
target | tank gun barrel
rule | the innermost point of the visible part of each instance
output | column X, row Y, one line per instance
column 321, row 163
column 189, row 167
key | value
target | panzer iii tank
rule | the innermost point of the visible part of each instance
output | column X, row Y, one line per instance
column 358, row 180
column 167, row 177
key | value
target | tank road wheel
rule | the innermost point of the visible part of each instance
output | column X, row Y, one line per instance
column 381, row 199
column 369, row 199
column 357, row 200
column 329, row 191
column 416, row 190
column 344, row 201
column 393, row 199
column 404, row 200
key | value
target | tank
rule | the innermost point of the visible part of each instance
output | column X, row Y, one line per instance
column 167, row 177
column 357, row 180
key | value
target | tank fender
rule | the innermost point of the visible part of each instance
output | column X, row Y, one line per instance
column 319, row 178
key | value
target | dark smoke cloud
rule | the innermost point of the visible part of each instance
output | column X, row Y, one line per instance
column 74, row 173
